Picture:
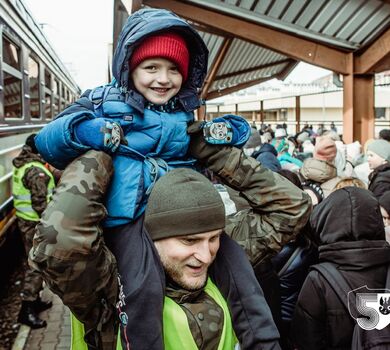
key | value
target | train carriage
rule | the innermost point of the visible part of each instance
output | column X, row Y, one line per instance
column 34, row 86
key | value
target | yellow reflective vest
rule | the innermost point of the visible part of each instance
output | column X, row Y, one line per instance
column 22, row 195
column 177, row 333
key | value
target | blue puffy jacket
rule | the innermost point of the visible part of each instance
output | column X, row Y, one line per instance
column 157, row 141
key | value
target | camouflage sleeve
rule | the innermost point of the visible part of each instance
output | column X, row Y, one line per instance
column 68, row 246
column 278, row 209
column 37, row 181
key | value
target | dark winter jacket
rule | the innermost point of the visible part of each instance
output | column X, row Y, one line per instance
column 351, row 233
column 267, row 156
column 292, row 264
column 380, row 180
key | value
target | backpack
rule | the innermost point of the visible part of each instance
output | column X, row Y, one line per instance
column 361, row 339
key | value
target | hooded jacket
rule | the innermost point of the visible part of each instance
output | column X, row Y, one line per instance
column 321, row 172
column 380, row 180
column 267, row 155
column 351, row 233
column 157, row 140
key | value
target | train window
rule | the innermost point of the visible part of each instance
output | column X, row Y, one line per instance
column 56, row 105
column 12, row 96
column 47, row 79
column 56, row 87
column 47, row 106
column 33, row 76
column 47, row 111
column 11, row 54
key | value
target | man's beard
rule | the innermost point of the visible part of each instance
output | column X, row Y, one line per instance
column 177, row 276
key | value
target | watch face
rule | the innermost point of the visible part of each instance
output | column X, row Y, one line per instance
column 218, row 131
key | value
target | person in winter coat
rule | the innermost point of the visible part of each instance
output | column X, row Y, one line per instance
column 292, row 265
column 267, row 156
column 378, row 157
column 141, row 120
column 350, row 181
column 384, row 134
column 350, row 230
column 384, row 203
column 287, row 161
column 277, row 211
column 319, row 174
column 254, row 142
column 195, row 314
column 32, row 187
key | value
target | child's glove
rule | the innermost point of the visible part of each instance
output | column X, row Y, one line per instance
column 218, row 132
column 227, row 130
column 100, row 134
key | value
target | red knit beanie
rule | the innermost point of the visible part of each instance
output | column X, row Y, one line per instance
column 325, row 149
column 165, row 45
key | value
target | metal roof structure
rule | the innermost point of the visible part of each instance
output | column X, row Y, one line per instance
column 251, row 41
column 350, row 24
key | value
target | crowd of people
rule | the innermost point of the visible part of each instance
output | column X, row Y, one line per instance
column 169, row 233
column 349, row 188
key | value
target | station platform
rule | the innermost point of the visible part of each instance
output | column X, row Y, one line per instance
column 55, row 336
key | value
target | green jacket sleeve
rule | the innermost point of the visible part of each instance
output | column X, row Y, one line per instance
column 69, row 249
column 277, row 209
column 37, row 181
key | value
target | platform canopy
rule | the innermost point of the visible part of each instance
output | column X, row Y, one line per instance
column 251, row 41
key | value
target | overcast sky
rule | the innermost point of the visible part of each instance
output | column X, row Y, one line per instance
column 81, row 30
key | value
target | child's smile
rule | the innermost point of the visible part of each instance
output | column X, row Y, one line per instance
column 157, row 79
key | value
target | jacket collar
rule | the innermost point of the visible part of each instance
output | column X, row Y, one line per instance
column 188, row 102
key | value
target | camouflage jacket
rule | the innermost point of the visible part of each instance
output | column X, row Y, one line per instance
column 70, row 252
column 34, row 179
column 69, row 249
column 271, row 210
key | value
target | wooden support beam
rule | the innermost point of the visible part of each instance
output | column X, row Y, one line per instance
column 376, row 58
column 348, row 103
column 287, row 70
column 201, row 113
column 215, row 66
column 261, row 111
column 358, row 108
column 364, row 110
column 254, row 69
column 227, row 91
column 284, row 43
column 122, row 10
column 206, row 29
column 297, row 114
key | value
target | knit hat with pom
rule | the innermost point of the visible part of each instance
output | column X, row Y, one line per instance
column 168, row 45
column 325, row 149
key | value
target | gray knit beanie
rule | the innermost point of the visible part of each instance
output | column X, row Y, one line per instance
column 183, row 202
column 254, row 140
column 381, row 148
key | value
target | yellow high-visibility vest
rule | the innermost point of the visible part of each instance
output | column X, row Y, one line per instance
column 177, row 333
column 22, row 196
